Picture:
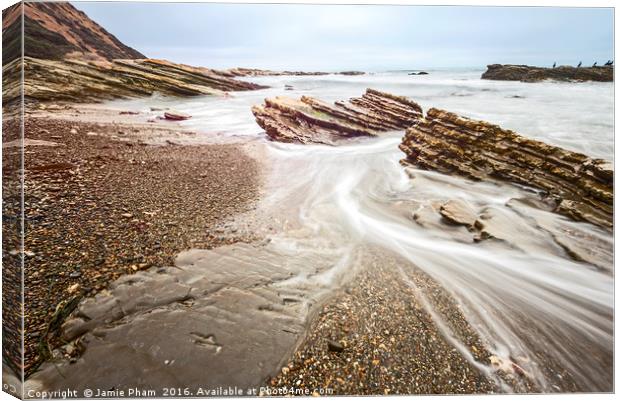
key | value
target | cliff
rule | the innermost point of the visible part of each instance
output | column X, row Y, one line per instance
column 310, row 120
column 526, row 73
column 580, row 187
column 55, row 30
column 69, row 57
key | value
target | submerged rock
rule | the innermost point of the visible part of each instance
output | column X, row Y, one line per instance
column 526, row 73
column 310, row 120
column 458, row 212
column 176, row 116
column 579, row 186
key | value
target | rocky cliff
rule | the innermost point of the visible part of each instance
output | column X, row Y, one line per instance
column 580, row 187
column 54, row 30
column 310, row 120
column 526, row 73
column 91, row 81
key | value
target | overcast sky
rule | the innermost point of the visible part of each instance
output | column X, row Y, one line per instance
column 331, row 37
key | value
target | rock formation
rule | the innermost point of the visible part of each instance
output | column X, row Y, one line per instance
column 91, row 81
column 581, row 187
column 54, row 30
column 526, row 73
column 309, row 120
column 69, row 57
column 254, row 72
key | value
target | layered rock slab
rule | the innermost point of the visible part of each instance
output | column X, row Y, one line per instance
column 88, row 81
column 579, row 186
column 309, row 120
column 526, row 73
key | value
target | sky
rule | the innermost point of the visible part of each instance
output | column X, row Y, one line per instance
column 362, row 37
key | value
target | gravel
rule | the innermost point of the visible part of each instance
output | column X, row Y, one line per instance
column 98, row 208
column 390, row 343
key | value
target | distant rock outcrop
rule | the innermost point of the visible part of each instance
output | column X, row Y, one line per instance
column 309, row 120
column 581, row 187
column 351, row 73
column 54, row 30
column 92, row 81
column 254, row 72
column 526, row 73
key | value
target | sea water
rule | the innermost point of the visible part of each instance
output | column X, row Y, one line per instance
column 526, row 298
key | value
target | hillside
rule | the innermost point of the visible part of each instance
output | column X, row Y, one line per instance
column 55, row 30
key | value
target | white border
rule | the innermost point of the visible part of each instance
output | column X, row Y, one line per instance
column 533, row 3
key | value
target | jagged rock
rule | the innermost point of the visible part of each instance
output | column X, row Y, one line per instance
column 88, row 81
column 418, row 73
column 310, row 120
column 581, row 187
column 458, row 212
column 526, row 73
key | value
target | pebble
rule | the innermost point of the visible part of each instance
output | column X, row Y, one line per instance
column 73, row 288
column 334, row 346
